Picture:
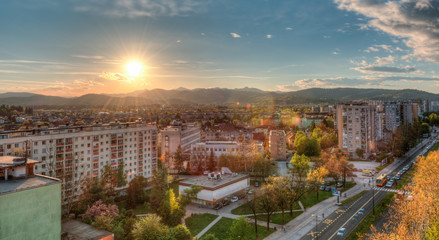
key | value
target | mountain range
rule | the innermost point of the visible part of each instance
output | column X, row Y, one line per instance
column 217, row 96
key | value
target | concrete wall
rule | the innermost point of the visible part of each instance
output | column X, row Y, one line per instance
column 207, row 195
column 31, row 214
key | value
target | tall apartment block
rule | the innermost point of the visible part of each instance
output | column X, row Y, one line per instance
column 356, row 127
column 278, row 144
column 74, row 153
column 179, row 134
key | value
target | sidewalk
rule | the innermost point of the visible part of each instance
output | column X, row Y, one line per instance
column 199, row 235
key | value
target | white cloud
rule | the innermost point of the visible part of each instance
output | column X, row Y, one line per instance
column 384, row 60
column 139, row 8
column 386, row 69
column 88, row 57
column 235, row 35
column 269, row 36
column 288, row 28
column 414, row 21
column 114, row 76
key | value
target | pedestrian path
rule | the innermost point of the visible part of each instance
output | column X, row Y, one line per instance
column 199, row 235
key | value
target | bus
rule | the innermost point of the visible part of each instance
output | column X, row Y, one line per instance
column 381, row 180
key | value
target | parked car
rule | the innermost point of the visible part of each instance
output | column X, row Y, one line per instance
column 322, row 188
column 218, row 206
column 328, row 189
column 250, row 192
column 234, row 199
column 389, row 184
column 327, row 183
column 398, row 177
column 256, row 184
column 339, row 185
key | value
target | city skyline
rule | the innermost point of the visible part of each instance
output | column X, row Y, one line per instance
column 81, row 47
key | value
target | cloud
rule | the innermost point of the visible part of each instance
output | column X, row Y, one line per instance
column 88, row 57
column 386, row 69
column 289, row 28
column 414, row 21
column 114, row 76
column 235, row 35
column 371, row 49
column 139, row 8
column 269, row 36
column 387, row 48
column 384, row 60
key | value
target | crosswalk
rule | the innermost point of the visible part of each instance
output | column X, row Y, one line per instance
column 390, row 190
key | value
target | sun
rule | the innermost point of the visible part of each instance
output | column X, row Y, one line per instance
column 134, row 69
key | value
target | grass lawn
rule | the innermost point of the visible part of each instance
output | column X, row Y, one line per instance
column 346, row 201
column 277, row 218
column 198, row 222
column 364, row 226
column 222, row 227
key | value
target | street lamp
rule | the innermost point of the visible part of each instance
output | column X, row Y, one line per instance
column 317, row 217
column 373, row 195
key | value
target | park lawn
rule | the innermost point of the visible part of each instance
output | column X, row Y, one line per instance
column 370, row 219
column 244, row 209
column 222, row 228
column 198, row 222
column 277, row 217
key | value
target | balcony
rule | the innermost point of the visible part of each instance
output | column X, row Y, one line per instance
column 96, row 147
column 69, row 150
column 59, row 144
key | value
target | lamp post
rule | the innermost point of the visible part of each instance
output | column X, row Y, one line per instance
column 373, row 196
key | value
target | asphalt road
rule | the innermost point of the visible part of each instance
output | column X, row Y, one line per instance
column 350, row 215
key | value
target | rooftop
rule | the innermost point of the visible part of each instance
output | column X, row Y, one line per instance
column 77, row 230
column 204, row 181
column 20, row 184
column 9, row 161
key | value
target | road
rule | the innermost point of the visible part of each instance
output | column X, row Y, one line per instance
column 350, row 215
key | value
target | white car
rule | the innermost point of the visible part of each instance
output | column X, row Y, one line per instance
column 234, row 199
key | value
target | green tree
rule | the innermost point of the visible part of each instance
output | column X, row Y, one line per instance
column 360, row 153
column 136, row 192
column 424, row 129
column 281, row 187
column 180, row 232
column 121, row 176
column 170, row 210
column 297, row 179
column 178, row 160
column 150, row 228
column 268, row 202
column 210, row 236
column 189, row 195
column 315, row 177
column 328, row 140
column 240, row 229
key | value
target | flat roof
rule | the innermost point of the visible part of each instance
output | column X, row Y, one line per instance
column 212, row 184
column 79, row 230
column 8, row 161
column 21, row 184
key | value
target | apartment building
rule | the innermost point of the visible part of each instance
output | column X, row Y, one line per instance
column 356, row 126
column 74, row 153
column 179, row 134
column 278, row 144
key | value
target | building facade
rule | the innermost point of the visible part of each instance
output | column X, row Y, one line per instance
column 75, row 153
column 356, row 127
column 278, row 144
column 179, row 134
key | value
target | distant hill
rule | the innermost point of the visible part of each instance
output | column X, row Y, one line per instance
column 219, row 96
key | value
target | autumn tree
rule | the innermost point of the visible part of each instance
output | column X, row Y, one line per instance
column 328, row 140
column 253, row 205
column 268, row 202
column 282, row 190
column 315, row 177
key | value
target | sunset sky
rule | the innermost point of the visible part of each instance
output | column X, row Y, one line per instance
column 74, row 47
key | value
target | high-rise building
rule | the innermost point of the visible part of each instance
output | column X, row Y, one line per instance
column 392, row 119
column 278, row 144
column 76, row 153
column 356, row 126
column 179, row 134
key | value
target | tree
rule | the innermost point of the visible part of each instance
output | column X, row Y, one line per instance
column 263, row 168
column 297, row 179
column 315, row 177
column 102, row 214
column 240, row 229
column 313, row 125
column 189, row 195
column 268, row 202
column 317, row 133
column 109, row 179
column 360, row 153
column 424, row 129
column 159, row 184
column 136, row 192
column 180, row 232
column 150, row 228
column 121, row 176
column 253, row 204
column 178, row 160
column 211, row 164
column 170, row 210
column 309, row 146
column 281, row 187
column 328, row 140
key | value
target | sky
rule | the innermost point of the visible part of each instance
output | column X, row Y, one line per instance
column 75, row 47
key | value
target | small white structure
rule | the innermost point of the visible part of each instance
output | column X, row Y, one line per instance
column 216, row 186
